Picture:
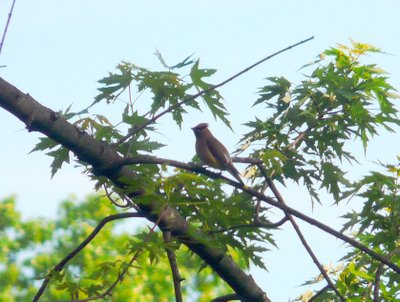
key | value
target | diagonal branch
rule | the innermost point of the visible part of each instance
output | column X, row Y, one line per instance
column 6, row 27
column 299, row 233
column 200, row 93
column 108, row 292
column 81, row 246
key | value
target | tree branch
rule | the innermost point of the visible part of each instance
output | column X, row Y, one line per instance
column 6, row 27
column 81, row 246
column 120, row 277
column 213, row 87
column 105, row 161
column 299, row 233
column 176, row 276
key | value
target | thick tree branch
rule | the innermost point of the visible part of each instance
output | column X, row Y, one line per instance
column 105, row 161
column 81, row 246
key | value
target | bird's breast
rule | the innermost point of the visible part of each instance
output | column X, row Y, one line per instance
column 206, row 156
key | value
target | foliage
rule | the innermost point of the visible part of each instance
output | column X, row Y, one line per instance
column 30, row 247
column 311, row 124
column 303, row 137
column 378, row 226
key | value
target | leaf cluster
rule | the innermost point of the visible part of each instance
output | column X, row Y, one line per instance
column 307, row 135
column 377, row 225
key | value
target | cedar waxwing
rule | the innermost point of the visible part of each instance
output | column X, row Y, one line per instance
column 212, row 152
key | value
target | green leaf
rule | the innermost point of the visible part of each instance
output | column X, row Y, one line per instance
column 212, row 98
column 187, row 61
column 115, row 83
column 45, row 143
column 280, row 88
column 60, row 156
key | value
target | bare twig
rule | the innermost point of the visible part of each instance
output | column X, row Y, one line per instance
column 81, row 246
column 379, row 272
column 176, row 276
column 299, row 233
column 6, row 27
column 213, row 87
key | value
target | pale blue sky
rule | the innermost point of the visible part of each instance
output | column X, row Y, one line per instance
column 57, row 50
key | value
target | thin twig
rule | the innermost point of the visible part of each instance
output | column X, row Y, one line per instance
column 81, row 246
column 6, row 27
column 299, row 233
column 176, row 276
column 211, row 88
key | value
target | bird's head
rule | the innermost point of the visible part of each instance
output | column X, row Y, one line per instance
column 200, row 129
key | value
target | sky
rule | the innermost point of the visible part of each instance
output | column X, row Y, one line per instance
column 57, row 50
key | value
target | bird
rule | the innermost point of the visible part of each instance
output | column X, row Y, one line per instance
column 212, row 152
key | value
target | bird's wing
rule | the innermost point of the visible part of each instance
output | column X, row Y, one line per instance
column 221, row 154
column 219, row 151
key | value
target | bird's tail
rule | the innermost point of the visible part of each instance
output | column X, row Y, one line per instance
column 235, row 173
